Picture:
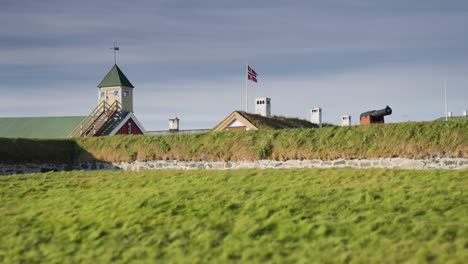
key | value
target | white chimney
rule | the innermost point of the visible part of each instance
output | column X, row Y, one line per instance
column 346, row 120
column 465, row 113
column 316, row 116
column 174, row 124
column 263, row 106
column 449, row 114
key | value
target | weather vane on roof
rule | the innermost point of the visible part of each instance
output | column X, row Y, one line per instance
column 115, row 48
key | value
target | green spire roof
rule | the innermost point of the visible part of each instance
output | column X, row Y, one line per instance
column 115, row 77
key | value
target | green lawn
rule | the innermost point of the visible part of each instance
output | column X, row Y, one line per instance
column 279, row 216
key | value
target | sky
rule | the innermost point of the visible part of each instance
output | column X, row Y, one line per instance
column 187, row 58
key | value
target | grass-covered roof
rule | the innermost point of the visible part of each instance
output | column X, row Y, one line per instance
column 276, row 122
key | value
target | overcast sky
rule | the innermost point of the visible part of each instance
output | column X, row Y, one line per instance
column 186, row 58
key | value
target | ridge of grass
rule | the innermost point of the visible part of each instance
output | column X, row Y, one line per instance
column 408, row 140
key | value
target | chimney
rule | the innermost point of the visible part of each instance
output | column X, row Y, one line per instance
column 263, row 106
column 316, row 116
column 449, row 114
column 465, row 113
column 174, row 124
column 346, row 120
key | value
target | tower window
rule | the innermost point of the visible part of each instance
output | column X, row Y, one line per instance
column 126, row 93
column 103, row 94
column 116, row 92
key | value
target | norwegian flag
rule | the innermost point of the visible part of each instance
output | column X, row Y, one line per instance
column 251, row 74
column 252, row 78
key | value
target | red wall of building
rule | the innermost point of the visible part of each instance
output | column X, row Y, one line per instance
column 366, row 120
column 134, row 129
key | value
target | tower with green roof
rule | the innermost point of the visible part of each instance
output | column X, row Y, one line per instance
column 116, row 87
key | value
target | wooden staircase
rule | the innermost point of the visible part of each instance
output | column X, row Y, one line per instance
column 102, row 120
column 111, row 123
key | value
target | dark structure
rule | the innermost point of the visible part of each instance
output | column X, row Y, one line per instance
column 374, row 116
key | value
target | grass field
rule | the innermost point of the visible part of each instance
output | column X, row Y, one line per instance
column 279, row 216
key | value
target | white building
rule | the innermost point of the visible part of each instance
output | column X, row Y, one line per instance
column 316, row 116
column 263, row 106
column 174, row 124
column 116, row 87
column 346, row 120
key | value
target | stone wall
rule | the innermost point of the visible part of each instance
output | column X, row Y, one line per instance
column 400, row 163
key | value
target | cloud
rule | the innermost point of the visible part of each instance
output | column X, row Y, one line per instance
column 187, row 58
column 47, row 101
column 190, row 35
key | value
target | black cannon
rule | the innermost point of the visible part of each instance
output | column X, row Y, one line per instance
column 374, row 116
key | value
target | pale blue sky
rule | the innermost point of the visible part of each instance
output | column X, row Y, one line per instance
column 187, row 58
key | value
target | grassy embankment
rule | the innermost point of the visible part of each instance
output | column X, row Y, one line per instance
column 281, row 216
column 410, row 140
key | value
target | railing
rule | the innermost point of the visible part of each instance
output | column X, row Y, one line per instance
column 114, row 108
column 97, row 118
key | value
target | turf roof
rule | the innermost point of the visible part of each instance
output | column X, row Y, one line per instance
column 38, row 127
column 276, row 122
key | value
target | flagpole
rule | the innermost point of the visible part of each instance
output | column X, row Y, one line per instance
column 246, row 89
column 446, row 113
column 115, row 56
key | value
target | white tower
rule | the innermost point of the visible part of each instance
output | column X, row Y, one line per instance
column 316, row 116
column 263, row 106
column 116, row 87
column 346, row 120
column 465, row 113
column 174, row 124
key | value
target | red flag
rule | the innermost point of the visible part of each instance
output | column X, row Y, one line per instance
column 251, row 74
column 252, row 78
column 251, row 71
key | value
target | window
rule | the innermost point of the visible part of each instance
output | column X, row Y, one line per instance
column 129, row 127
column 116, row 92
column 103, row 94
column 126, row 93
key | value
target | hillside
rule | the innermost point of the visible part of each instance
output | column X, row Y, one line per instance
column 409, row 140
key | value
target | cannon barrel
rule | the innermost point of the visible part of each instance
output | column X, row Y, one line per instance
column 377, row 113
column 382, row 112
